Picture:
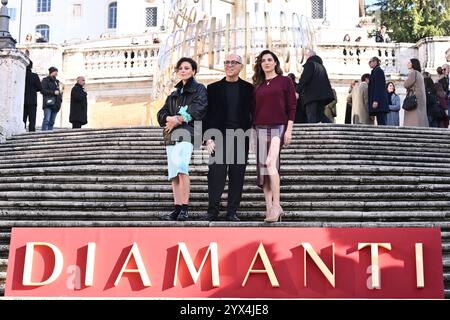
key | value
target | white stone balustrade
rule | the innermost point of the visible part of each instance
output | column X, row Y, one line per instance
column 353, row 59
column 112, row 62
column 431, row 53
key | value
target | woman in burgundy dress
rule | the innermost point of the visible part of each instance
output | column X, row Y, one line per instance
column 273, row 119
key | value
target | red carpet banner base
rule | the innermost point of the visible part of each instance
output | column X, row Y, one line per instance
column 226, row 263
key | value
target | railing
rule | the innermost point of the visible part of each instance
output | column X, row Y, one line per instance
column 345, row 58
column 112, row 62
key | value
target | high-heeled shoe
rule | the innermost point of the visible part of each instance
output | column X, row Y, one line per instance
column 276, row 218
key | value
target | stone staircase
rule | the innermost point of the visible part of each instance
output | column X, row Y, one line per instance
column 333, row 176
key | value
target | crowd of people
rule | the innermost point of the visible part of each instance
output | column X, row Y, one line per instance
column 52, row 97
column 267, row 108
column 432, row 98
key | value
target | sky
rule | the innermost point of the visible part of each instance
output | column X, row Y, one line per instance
column 370, row 1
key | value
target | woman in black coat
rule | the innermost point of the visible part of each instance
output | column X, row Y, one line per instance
column 78, row 104
column 183, row 106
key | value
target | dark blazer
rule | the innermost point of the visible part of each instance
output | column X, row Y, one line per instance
column 314, row 83
column 216, row 116
column 32, row 87
column 78, row 105
column 193, row 94
column 49, row 86
column 444, row 82
column 377, row 91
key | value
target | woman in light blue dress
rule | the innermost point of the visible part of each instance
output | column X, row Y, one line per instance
column 183, row 107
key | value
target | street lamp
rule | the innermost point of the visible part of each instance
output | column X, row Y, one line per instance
column 6, row 41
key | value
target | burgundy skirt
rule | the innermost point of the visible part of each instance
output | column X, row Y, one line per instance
column 264, row 136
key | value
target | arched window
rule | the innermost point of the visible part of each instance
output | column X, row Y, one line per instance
column 317, row 9
column 44, row 30
column 44, row 5
column 112, row 15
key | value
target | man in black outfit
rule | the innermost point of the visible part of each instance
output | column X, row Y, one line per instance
column 228, row 115
column 32, row 86
column 78, row 104
column 315, row 88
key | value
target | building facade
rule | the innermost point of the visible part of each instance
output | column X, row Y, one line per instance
column 69, row 21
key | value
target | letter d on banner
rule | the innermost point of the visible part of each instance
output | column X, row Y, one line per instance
column 28, row 267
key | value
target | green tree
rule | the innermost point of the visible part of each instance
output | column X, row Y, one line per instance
column 411, row 20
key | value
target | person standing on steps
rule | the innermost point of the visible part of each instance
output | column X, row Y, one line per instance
column 316, row 88
column 32, row 86
column 416, row 84
column 52, row 98
column 378, row 104
column 360, row 102
column 229, row 112
column 78, row 104
column 393, row 118
column 185, row 105
column 273, row 118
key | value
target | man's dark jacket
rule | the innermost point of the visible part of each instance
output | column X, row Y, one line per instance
column 32, row 87
column 49, row 86
column 78, row 105
column 216, row 117
column 314, row 83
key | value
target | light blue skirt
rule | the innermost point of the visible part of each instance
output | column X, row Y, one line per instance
column 178, row 158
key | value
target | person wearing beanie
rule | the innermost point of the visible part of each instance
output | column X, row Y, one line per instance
column 52, row 98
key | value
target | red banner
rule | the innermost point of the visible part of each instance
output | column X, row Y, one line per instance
column 226, row 262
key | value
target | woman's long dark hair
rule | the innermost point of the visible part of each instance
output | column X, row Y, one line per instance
column 259, row 76
column 416, row 64
column 387, row 86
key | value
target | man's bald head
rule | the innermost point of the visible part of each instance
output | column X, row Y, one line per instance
column 233, row 66
column 233, row 57
column 81, row 80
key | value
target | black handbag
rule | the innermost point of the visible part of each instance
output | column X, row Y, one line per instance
column 50, row 102
column 410, row 102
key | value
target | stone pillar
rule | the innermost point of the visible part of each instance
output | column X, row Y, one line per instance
column 12, row 81
column 12, row 88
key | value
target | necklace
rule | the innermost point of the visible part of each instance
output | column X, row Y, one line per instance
column 269, row 80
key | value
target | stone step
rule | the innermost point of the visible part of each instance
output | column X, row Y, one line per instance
column 344, row 216
column 252, row 164
column 4, row 249
column 298, row 138
column 298, row 180
column 259, row 196
column 307, row 128
column 254, row 224
column 3, row 265
column 162, row 158
column 312, row 149
column 248, row 188
column 203, row 169
column 118, row 153
column 334, row 130
column 297, row 141
column 446, row 247
column 339, row 205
